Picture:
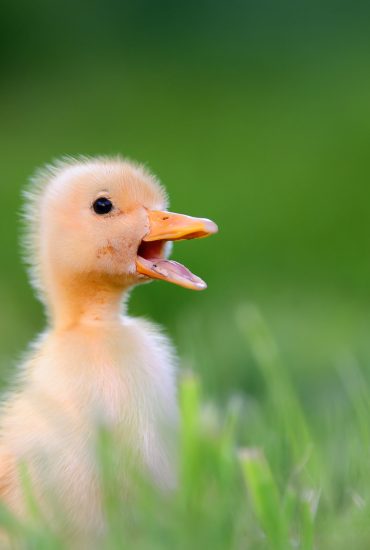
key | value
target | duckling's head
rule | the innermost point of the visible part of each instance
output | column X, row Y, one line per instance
column 104, row 218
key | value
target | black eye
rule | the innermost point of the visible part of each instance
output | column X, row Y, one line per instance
column 102, row 206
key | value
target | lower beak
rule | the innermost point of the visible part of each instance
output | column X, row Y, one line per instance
column 167, row 226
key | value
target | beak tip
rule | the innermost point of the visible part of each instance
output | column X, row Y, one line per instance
column 201, row 285
column 211, row 227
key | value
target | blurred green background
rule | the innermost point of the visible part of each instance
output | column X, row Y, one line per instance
column 255, row 114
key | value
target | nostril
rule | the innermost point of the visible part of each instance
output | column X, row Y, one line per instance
column 165, row 218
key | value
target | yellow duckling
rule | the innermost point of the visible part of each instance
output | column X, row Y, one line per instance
column 96, row 228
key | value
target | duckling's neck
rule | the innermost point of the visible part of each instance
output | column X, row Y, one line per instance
column 83, row 300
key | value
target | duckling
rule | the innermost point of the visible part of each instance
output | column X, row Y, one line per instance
column 96, row 227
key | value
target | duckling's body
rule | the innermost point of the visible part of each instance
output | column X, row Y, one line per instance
column 116, row 375
column 94, row 367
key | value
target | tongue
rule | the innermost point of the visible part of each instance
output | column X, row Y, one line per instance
column 170, row 271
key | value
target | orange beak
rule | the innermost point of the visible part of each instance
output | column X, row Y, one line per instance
column 167, row 226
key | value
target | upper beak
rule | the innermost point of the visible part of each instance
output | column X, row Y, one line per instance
column 168, row 226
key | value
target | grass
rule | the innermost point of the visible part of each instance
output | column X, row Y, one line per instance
column 253, row 474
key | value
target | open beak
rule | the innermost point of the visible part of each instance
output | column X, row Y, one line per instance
column 166, row 226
